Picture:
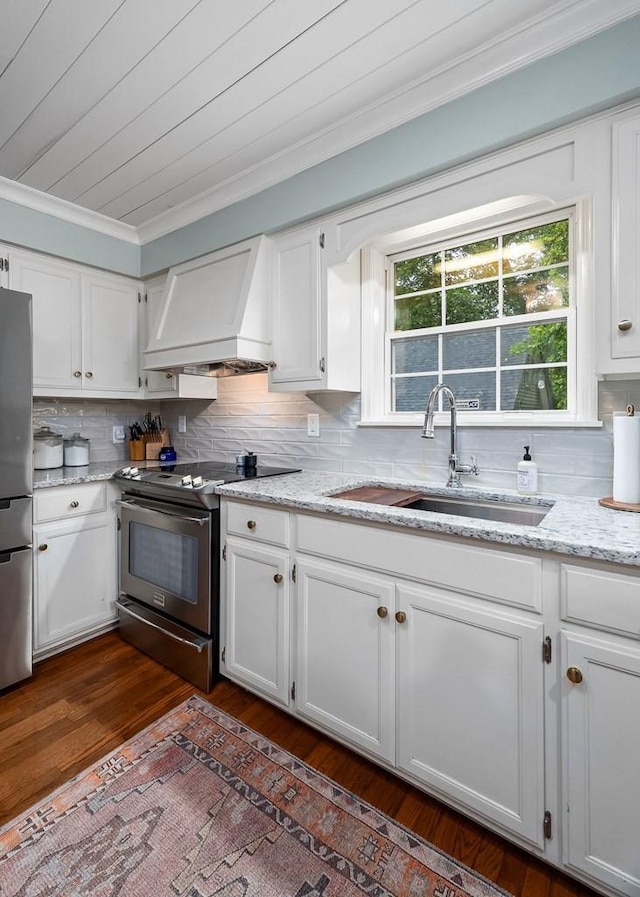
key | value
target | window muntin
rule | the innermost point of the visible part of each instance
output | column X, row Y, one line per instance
column 488, row 315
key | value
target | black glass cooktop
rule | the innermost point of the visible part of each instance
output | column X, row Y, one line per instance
column 223, row 473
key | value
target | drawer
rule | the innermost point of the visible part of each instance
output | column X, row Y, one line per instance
column 602, row 599
column 501, row 576
column 64, row 502
column 264, row 524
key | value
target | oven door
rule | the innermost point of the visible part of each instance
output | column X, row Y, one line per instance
column 166, row 559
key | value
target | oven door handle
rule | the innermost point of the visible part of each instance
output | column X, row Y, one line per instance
column 201, row 521
column 199, row 645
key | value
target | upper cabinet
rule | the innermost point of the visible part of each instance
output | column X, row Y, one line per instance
column 625, row 299
column 316, row 316
column 85, row 328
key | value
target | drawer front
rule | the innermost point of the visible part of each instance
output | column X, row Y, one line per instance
column 64, row 502
column 603, row 599
column 270, row 525
column 511, row 579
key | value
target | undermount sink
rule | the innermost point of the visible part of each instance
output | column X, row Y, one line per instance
column 502, row 511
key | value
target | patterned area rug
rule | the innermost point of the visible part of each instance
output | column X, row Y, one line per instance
column 199, row 805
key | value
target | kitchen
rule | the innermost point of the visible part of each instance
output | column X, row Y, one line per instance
column 279, row 424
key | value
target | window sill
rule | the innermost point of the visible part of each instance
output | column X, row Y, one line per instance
column 467, row 419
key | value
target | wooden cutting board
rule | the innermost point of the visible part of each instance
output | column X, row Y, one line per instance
column 380, row 495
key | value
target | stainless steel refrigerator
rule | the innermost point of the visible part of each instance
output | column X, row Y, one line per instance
column 15, row 487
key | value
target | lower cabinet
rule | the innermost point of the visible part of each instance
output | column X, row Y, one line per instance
column 601, row 716
column 75, row 556
column 345, row 653
column 470, row 705
column 256, row 637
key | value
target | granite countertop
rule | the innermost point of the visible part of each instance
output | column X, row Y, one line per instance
column 574, row 525
column 63, row 476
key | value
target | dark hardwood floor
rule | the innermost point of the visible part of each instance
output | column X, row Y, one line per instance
column 84, row 703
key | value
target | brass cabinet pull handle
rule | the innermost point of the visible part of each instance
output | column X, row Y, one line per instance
column 382, row 612
column 43, row 547
column 75, row 504
column 400, row 616
column 625, row 325
column 77, row 373
column 89, row 374
column 251, row 524
column 574, row 675
column 278, row 578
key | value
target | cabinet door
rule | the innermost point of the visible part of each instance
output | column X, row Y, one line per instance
column 57, row 321
column 296, row 331
column 74, row 579
column 158, row 384
column 345, row 653
column 257, row 618
column 4, row 267
column 110, row 337
column 602, row 750
column 625, row 323
column 470, row 706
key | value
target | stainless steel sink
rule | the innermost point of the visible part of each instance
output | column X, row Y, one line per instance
column 483, row 509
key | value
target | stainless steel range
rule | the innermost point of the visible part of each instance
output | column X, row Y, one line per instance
column 169, row 562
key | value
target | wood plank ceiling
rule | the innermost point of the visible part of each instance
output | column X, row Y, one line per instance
column 134, row 107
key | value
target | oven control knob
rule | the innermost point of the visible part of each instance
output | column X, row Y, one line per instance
column 186, row 481
column 197, row 481
column 126, row 471
column 134, row 472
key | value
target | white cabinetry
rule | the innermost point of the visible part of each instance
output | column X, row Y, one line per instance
column 85, row 328
column 345, row 672
column 470, row 705
column 625, row 320
column 165, row 384
column 316, row 316
column 600, row 695
column 256, row 584
column 75, row 557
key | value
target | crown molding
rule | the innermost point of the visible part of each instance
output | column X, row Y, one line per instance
column 30, row 198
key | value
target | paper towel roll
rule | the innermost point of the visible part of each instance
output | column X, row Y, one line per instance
column 626, row 458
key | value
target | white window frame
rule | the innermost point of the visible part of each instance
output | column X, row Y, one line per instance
column 377, row 309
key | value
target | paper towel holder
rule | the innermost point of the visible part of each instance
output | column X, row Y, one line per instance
column 631, row 410
column 609, row 501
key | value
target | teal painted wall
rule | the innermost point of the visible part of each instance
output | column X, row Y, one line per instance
column 592, row 75
column 46, row 233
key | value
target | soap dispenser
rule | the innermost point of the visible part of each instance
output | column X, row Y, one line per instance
column 527, row 473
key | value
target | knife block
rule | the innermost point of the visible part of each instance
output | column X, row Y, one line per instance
column 153, row 443
column 136, row 449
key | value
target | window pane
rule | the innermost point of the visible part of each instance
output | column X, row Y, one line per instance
column 534, row 344
column 412, row 355
column 416, row 312
column 536, row 247
column 476, row 385
column 469, row 350
column 534, row 390
column 474, row 261
column 414, row 275
column 476, row 302
column 411, row 393
column 542, row 291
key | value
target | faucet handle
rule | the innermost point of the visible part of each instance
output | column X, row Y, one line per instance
column 474, row 465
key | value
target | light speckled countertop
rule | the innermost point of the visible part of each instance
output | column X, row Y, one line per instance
column 574, row 525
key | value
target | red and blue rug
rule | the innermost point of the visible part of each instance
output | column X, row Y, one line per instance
column 198, row 805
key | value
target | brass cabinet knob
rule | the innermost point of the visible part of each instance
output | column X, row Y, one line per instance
column 625, row 325
column 400, row 616
column 382, row 612
column 278, row 578
column 43, row 547
column 89, row 374
column 251, row 524
column 574, row 675
column 75, row 504
column 77, row 373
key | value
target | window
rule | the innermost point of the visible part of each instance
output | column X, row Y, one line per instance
column 490, row 316
column 493, row 314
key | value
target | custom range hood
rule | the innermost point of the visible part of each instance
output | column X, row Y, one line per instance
column 213, row 318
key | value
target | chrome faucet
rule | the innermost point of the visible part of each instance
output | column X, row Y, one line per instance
column 455, row 469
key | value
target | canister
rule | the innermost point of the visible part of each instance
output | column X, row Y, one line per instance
column 48, row 452
column 76, row 451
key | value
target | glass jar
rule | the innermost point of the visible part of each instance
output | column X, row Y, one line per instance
column 76, row 451
column 47, row 449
